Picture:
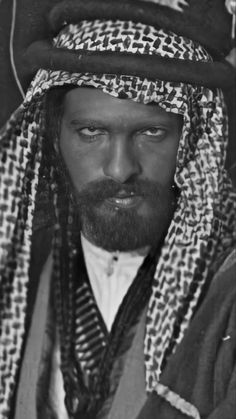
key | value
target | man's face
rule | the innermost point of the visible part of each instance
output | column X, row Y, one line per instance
column 121, row 158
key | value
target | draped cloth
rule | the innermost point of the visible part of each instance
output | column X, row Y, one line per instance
column 203, row 225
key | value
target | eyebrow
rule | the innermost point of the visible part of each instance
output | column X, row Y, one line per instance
column 85, row 121
column 91, row 121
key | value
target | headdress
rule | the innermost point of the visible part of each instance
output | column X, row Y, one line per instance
column 205, row 22
column 203, row 224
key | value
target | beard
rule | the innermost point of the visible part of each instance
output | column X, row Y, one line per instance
column 124, row 229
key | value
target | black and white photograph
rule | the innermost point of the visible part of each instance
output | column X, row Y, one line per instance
column 117, row 209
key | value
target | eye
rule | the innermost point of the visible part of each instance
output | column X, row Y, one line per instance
column 155, row 132
column 90, row 133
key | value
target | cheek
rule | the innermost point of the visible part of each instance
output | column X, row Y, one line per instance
column 159, row 163
column 83, row 163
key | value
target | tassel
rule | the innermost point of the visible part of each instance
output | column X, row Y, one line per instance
column 231, row 7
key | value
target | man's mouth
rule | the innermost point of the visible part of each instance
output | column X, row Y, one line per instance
column 124, row 200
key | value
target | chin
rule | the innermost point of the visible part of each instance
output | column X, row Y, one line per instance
column 125, row 232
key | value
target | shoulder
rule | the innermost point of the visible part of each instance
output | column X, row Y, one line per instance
column 217, row 312
column 228, row 264
column 219, row 301
column 223, row 283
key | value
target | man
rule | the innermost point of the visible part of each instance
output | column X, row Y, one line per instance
column 129, row 311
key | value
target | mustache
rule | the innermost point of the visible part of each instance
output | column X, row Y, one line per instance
column 99, row 190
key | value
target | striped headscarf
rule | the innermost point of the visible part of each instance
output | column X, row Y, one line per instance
column 203, row 225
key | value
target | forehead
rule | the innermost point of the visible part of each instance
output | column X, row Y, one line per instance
column 86, row 102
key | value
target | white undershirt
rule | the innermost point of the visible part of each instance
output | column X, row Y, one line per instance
column 110, row 275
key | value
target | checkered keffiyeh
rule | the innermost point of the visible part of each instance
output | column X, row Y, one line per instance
column 204, row 221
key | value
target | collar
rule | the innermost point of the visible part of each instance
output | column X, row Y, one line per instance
column 109, row 261
column 110, row 275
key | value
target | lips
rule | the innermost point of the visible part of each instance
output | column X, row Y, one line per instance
column 124, row 200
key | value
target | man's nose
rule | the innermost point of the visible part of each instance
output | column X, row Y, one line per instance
column 121, row 160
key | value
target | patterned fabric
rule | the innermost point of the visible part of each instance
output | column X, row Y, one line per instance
column 203, row 224
column 89, row 339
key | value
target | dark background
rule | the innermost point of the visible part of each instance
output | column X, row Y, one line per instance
column 30, row 25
